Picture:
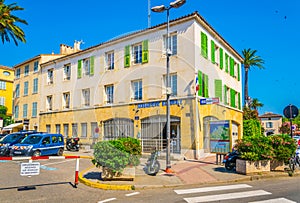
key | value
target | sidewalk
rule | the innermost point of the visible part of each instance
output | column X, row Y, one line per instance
column 185, row 172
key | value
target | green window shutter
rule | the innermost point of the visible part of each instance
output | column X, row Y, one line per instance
column 238, row 72
column 200, row 81
column 225, row 95
column 232, row 98
column 218, row 89
column 239, row 101
column 213, row 51
column 145, row 52
column 231, row 67
column 226, row 62
column 92, row 59
column 127, row 56
column 221, row 59
column 79, row 68
column 203, row 45
column 206, row 86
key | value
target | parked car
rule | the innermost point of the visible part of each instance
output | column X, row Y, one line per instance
column 9, row 140
column 39, row 145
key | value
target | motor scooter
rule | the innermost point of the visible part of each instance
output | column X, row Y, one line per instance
column 230, row 160
column 72, row 144
column 152, row 164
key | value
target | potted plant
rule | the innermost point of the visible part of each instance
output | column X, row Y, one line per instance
column 115, row 155
column 283, row 147
column 255, row 154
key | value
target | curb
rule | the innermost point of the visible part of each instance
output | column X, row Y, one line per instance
column 101, row 185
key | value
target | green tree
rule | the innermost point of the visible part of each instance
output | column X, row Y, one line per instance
column 250, row 60
column 6, row 119
column 255, row 104
column 8, row 27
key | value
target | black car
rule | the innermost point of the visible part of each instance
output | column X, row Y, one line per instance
column 9, row 140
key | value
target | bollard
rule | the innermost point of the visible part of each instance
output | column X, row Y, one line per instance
column 76, row 173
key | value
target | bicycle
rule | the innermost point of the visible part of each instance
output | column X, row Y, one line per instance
column 294, row 162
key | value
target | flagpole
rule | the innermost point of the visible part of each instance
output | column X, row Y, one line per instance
column 197, row 117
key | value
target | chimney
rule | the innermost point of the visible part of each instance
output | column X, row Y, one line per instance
column 77, row 45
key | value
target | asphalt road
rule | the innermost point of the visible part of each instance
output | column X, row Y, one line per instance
column 56, row 178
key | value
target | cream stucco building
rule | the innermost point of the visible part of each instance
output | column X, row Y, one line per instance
column 117, row 88
column 27, row 88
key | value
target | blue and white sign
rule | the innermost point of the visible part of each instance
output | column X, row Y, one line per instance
column 209, row 101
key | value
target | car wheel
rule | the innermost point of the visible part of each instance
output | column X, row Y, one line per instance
column 36, row 153
column 60, row 152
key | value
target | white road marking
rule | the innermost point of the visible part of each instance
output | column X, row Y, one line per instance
column 278, row 200
column 107, row 200
column 131, row 194
column 68, row 160
column 210, row 189
column 227, row 196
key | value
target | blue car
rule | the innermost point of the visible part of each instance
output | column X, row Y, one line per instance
column 39, row 145
column 9, row 140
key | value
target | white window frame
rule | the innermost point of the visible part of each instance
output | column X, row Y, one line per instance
column 49, row 103
column 17, row 91
column 36, row 66
column 25, row 110
column 50, row 76
column 83, row 130
column 174, row 88
column 110, row 60
column 109, row 93
column 86, row 97
column 86, row 66
column 18, row 73
column 35, row 85
column 2, row 85
column 66, row 100
column 137, row 90
column 26, row 86
column 67, row 72
column 34, row 110
column 26, row 70
column 2, row 101
column 173, row 44
column 137, row 52
column 16, row 111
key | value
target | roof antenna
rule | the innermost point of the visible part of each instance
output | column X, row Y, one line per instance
column 149, row 13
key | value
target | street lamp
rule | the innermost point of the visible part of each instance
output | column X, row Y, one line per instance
column 162, row 8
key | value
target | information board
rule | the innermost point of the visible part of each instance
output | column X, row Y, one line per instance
column 30, row 169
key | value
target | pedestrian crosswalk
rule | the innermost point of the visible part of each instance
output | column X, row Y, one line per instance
column 226, row 194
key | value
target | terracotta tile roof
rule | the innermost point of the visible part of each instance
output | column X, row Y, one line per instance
column 269, row 115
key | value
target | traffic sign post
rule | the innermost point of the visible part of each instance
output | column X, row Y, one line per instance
column 291, row 112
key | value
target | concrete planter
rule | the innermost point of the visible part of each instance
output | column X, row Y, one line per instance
column 248, row 167
column 276, row 165
column 128, row 174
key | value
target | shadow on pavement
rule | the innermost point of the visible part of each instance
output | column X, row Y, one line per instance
column 223, row 170
column 28, row 187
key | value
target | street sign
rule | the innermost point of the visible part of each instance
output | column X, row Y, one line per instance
column 209, row 101
column 30, row 169
column 290, row 111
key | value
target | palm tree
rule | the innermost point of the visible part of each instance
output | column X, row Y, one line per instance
column 255, row 104
column 8, row 28
column 250, row 60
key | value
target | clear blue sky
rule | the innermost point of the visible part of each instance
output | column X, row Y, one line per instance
column 270, row 26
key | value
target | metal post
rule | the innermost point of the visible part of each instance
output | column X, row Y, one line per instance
column 76, row 173
column 168, row 162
